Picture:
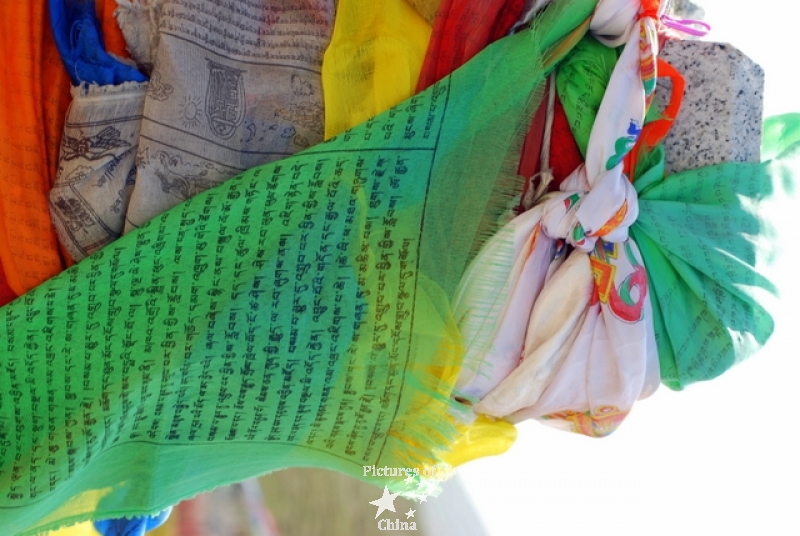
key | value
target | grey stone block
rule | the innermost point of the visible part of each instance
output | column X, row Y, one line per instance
column 720, row 119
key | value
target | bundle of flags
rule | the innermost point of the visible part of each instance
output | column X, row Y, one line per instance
column 250, row 297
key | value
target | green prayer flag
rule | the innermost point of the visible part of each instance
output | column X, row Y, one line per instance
column 297, row 315
column 707, row 241
column 581, row 82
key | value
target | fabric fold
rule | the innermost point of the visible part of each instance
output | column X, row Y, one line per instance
column 461, row 30
column 31, row 124
column 708, row 247
column 495, row 298
column 97, row 168
column 373, row 60
column 77, row 33
column 579, row 378
column 233, row 87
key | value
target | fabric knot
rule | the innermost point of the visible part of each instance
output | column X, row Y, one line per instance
column 613, row 21
column 581, row 214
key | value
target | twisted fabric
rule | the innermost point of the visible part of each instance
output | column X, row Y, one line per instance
column 78, row 36
column 586, row 323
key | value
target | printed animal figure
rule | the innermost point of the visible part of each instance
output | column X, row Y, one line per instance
column 93, row 147
column 176, row 179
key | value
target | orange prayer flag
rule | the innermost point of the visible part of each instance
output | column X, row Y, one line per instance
column 31, row 120
column 112, row 35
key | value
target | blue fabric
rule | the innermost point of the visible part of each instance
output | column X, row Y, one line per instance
column 77, row 35
column 136, row 526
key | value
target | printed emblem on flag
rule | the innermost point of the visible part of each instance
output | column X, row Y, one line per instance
column 224, row 99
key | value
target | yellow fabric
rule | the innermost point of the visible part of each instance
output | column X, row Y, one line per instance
column 485, row 437
column 372, row 62
column 426, row 8
column 81, row 529
column 170, row 526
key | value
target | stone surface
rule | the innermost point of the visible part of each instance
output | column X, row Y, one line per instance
column 685, row 9
column 721, row 115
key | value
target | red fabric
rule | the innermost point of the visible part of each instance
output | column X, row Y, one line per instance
column 462, row 29
column 532, row 147
column 564, row 153
column 649, row 9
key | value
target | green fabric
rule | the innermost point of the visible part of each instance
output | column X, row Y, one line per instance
column 297, row 315
column 707, row 243
column 581, row 83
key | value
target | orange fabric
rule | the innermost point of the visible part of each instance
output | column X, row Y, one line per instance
column 654, row 132
column 113, row 39
column 32, row 113
column 649, row 9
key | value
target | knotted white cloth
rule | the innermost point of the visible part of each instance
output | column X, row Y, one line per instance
column 571, row 342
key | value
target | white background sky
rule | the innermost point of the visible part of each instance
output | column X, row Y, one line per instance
column 721, row 458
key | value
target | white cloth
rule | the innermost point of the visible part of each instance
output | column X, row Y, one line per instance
column 494, row 300
column 234, row 85
column 589, row 348
column 96, row 167
column 558, row 313
column 138, row 21
column 613, row 21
